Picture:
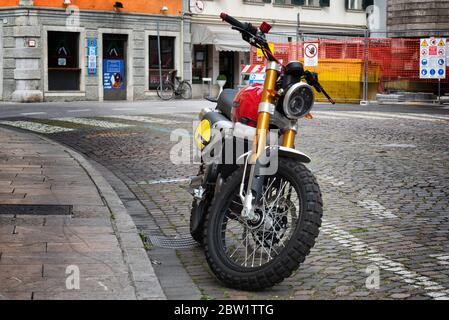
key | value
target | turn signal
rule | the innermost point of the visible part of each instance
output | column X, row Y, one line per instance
column 265, row 27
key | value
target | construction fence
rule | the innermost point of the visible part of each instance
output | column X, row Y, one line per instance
column 355, row 69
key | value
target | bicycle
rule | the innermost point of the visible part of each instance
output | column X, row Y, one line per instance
column 170, row 88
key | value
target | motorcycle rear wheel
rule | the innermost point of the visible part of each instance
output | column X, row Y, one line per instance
column 280, row 253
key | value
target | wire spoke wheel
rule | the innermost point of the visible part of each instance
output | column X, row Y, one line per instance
column 166, row 92
column 251, row 244
column 185, row 90
column 259, row 253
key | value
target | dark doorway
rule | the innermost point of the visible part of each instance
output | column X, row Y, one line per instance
column 114, row 66
column 226, row 61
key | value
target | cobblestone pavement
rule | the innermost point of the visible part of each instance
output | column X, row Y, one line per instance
column 384, row 175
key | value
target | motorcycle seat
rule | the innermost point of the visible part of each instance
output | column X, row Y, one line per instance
column 226, row 102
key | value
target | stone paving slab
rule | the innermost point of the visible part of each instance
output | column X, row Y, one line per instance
column 38, row 253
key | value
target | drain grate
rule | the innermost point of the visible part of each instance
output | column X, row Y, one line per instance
column 38, row 210
column 173, row 243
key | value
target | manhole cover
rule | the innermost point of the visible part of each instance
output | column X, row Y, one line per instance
column 173, row 243
column 38, row 210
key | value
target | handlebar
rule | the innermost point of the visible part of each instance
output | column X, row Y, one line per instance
column 257, row 38
column 239, row 25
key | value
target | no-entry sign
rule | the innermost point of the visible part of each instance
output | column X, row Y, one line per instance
column 432, row 64
column 310, row 54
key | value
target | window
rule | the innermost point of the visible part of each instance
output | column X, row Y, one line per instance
column 167, row 59
column 200, row 64
column 312, row 3
column 354, row 4
column 307, row 3
column 63, row 61
column 257, row 1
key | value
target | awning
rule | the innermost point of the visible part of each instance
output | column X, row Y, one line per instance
column 222, row 37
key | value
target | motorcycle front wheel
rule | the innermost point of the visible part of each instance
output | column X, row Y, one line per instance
column 254, row 255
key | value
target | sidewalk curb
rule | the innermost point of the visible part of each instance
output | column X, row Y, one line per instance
column 142, row 274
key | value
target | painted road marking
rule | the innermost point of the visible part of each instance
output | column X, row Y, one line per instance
column 443, row 259
column 380, row 115
column 124, row 109
column 36, row 127
column 32, row 113
column 376, row 209
column 147, row 119
column 360, row 248
column 162, row 181
column 332, row 180
column 94, row 122
column 79, row 110
column 422, row 117
column 341, row 115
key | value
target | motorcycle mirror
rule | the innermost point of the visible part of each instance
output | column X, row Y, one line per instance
column 265, row 27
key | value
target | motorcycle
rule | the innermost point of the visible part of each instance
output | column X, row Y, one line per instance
column 257, row 209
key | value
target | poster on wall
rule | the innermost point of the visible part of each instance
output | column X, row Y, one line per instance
column 114, row 74
column 432, row 61
column 91, row 56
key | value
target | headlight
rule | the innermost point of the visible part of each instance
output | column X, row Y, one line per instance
column 298, row 100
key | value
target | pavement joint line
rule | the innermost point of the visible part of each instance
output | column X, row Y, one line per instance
column 131, row 256
column 360, row 248
column 36, row 127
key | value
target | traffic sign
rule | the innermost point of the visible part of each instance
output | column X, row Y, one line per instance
column 310, row 54
column 432, row 63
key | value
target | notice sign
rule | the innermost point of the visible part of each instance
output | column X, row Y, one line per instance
column 310, row 54
column 91, row 56
column 256, row 78
column 432, row 64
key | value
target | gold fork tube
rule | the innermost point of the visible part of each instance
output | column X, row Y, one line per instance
column 289, row 138
column 263, row 119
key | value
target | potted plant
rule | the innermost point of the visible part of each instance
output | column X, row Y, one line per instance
column 221, row 81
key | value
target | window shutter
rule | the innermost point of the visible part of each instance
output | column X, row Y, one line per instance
column 325, row 3
column 346, row 4
column 367, row 3
column 267, row 1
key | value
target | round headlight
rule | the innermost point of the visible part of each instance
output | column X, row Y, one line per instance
column 298, row 100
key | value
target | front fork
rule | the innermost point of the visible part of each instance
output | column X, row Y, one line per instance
column 254, row 190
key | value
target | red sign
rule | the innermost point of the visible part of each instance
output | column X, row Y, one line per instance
column 433, row 50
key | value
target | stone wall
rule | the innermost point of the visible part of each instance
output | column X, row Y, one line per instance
column 24, row 67
column 417, row 18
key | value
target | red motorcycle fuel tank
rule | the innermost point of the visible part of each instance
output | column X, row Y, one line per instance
column 246, row 105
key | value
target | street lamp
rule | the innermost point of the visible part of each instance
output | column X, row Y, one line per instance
column 117, row 6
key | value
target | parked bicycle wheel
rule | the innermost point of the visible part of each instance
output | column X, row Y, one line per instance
column 185, row 89
column 167, row 92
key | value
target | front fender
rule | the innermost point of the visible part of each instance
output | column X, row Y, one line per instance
column 293, row 153
column 283, row 152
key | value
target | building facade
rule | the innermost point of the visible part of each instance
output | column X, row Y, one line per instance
column 65, row 50
column 218, row 50
column 418, row 18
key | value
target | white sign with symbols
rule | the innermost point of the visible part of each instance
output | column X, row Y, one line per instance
column 310, row 54
column 432, row 61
